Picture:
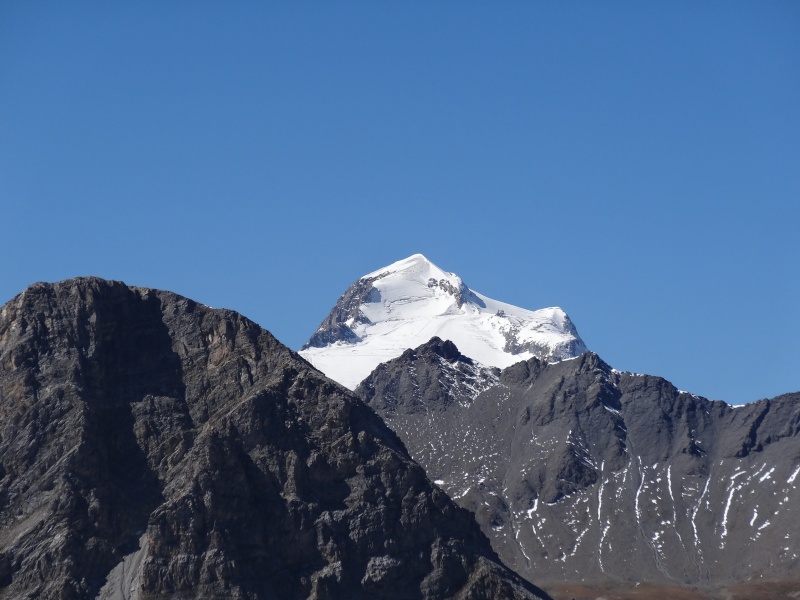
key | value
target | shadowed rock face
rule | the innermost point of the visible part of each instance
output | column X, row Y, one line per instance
column 334, row 328
column 579, row 473
column 151, row 447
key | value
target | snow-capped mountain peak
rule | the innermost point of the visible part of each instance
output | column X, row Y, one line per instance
column 413, row 287
column 412, row 300
column 416, row 263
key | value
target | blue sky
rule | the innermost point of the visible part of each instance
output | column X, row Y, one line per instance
column 636, row 163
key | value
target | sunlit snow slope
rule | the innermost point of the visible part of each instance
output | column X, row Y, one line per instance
column 409, row 302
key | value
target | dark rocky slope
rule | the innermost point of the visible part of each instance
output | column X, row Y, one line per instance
column 151, row 447
column 581, row 473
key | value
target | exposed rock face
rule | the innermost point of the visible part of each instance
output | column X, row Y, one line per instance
column 346, row 313
column 435, row 375
column 151, row 447
column 581, row 473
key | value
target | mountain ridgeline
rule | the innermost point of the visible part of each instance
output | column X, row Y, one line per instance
column 152, row 447
column 578, row 472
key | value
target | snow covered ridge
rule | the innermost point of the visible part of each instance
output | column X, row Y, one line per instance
column 407, row 303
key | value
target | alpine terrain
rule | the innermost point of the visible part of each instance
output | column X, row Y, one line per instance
column 409, row 302
column 152, row 447
column 578, row 473
column 582, row 474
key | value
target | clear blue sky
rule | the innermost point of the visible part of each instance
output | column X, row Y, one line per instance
column 637, row 163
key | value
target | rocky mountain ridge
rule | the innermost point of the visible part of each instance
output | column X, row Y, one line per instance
column 152, row 447
column 578, row 472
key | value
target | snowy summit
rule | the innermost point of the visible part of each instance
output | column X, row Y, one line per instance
column 407, row 303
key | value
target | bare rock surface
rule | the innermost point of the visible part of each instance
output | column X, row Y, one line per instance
column 579, row 473
column 152, row 447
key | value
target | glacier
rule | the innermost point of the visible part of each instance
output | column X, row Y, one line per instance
column 405, row 304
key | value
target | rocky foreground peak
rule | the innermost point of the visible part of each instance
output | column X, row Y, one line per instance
column 152, row 447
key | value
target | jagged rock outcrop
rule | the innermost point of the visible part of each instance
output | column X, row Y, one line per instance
column 580, row 473
column 151, row 447
column 436, row 375
column 346, row 313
